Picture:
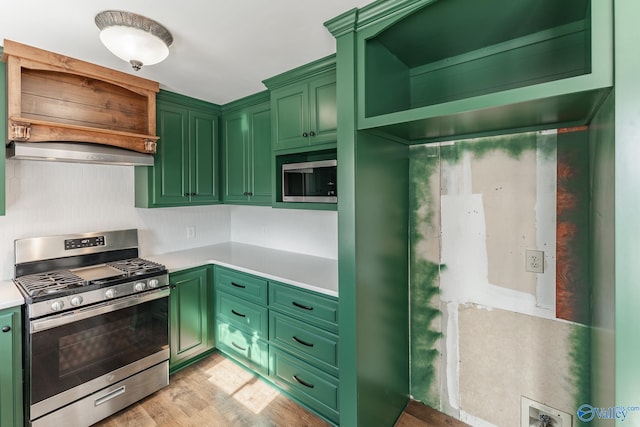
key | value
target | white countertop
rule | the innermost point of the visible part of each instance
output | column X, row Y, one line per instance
column 10, row 296
column 305, row 271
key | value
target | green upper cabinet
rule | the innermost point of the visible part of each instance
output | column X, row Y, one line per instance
column 246, row 130
column 185, row 172
column 303, row 105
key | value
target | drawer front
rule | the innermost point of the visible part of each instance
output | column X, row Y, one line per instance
column 244, row 285
column 246, row 316
column 311, row 386
column 313, row 308
column 243, row 347
column 315, row 345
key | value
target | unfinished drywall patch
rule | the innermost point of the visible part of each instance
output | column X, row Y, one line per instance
column 508, row 188
column 506, row 355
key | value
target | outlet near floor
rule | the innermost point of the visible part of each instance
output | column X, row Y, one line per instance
column 536, row 414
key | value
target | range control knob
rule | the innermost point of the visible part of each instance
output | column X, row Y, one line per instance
column 139, row 286
column 110, row 293
column 57, row 305
column 76, row 301
column 153, row 283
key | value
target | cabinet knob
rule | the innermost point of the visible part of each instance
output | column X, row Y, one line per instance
column 6, row 328
column 312, row 133
column 249, row 193
column 305, row 134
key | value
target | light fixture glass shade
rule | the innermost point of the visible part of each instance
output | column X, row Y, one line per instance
column 134, row 38
column 132, row 44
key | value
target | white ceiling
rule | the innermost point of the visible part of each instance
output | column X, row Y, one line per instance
column 222, row 49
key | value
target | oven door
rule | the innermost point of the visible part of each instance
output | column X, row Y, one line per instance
column 74, row 354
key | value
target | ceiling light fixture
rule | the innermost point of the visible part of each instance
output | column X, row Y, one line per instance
column 134, row 38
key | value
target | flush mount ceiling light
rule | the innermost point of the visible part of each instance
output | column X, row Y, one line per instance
column 134, row 38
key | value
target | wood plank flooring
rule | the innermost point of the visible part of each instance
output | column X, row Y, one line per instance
column 216, row 392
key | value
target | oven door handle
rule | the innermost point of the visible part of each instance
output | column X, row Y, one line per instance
column 45, row 323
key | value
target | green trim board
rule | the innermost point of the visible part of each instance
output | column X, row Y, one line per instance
column 301, row 73
column 3, row 131
column 246, row 102
column 627, row 205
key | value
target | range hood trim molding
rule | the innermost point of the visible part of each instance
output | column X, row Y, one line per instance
column 97, row 111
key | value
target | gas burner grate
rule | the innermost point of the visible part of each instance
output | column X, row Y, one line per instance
column 137, row 266
column 49, row 282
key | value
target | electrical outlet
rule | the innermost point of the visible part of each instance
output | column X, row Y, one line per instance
column 534, row 261
column 536, row 414
column 191, row 232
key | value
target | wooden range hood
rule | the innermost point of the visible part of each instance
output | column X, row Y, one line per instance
column 54, row 98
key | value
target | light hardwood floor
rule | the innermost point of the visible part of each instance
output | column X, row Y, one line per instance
column 216, row 392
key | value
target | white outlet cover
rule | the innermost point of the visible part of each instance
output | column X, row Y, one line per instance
column 530, row 265
column 531, row 409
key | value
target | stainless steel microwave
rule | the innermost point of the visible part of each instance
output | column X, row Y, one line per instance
column 310, row 182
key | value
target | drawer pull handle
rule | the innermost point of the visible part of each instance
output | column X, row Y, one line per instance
column 239, row 347
column 238, row 314
column 6, row 328
column 299, row 341
column 304, row 307
column 237, row 285
column 304, row 383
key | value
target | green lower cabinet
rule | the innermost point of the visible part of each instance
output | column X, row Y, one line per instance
column 11, row 368
column 286, row 334
column 314, row 345
column 191, row 316
column 309, row 385
column 244, row 347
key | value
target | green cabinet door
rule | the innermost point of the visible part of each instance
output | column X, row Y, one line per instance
column 304, row 105
column 10, row 368
column 191, row 316
column 171, row 159
column 203, row 159
column 305, row 113
column 185, row 170
column 247, row 151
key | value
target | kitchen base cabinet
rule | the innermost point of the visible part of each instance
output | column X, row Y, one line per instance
column 191, row 316
column 251, row 352
column 11, row 368
column 310, row 386
column 242, row 319
column 287, row 334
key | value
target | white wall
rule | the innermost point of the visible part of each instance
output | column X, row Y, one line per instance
column 303, row 231
column 47, row 198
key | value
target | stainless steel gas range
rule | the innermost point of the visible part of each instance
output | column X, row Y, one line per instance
column 96, row 326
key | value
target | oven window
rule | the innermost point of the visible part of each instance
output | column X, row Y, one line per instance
column 70, row 355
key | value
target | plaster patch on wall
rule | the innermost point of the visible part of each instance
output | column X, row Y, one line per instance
column 505, row 355
column 508, row 188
